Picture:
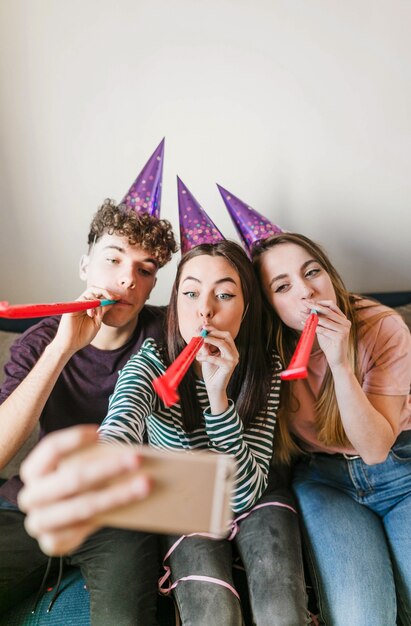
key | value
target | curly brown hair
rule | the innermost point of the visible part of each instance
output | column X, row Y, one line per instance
column 152, row 234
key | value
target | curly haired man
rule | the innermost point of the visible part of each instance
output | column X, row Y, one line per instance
column 61, row 372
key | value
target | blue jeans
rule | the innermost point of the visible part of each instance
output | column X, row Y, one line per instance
column 357, row 530
column 270, row 548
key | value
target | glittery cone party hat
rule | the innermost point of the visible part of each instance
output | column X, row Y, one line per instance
column 195, row 225
column 250, row 225
column 144, row 194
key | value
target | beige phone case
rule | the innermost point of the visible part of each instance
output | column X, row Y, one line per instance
column 191, row 492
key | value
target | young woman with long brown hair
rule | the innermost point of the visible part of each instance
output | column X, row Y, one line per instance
column 348, row 425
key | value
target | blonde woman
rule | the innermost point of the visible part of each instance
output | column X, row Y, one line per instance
column 348, row 427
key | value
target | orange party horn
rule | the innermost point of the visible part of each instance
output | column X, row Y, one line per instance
column 299, row 361
column 166, row 385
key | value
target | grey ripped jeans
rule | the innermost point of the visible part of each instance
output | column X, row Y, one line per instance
column 269, row 545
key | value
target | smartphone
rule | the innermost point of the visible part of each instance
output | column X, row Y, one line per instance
column 191, row 491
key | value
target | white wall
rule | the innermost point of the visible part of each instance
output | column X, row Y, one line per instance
column 302, row 109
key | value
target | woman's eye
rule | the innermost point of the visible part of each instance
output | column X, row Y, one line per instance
column 225, row 296
column 112, row 260
column 281, row 288
column 190, row 294
column 312, row 272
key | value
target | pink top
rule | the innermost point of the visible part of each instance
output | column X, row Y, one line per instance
column 384, row 357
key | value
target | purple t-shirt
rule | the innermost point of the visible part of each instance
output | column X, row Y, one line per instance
column 82, row 391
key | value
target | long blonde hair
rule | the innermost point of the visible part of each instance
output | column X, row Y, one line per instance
column 330, row 430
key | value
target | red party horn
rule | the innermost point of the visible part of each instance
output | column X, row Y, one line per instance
column 299, row 361
column 166, row 385
column 20, row 311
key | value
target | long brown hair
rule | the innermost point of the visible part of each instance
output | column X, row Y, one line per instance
column 249, row 384
column 330, row 430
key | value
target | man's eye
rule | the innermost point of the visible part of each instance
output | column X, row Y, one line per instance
column 112, row 260
column 145, row 272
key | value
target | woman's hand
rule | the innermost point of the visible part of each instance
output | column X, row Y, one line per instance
column 61, row 498
column 332, row 332
column 371, row 421
column 77, row 330
column 219, row 358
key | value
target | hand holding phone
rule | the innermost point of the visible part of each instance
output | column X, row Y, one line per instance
column 189, row 491
column 74, row 486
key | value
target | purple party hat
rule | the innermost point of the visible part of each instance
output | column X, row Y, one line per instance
column 144, row 194
column 250, row 225
column 195, row 225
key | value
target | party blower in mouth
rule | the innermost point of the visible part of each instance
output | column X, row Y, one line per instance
column 20, row 311
column 166, row 385
column 300, row 358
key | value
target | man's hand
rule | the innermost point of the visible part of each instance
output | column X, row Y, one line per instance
column 61, row 498
column 77, row 330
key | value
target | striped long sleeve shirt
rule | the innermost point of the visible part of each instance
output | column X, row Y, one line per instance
column 135, row 408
